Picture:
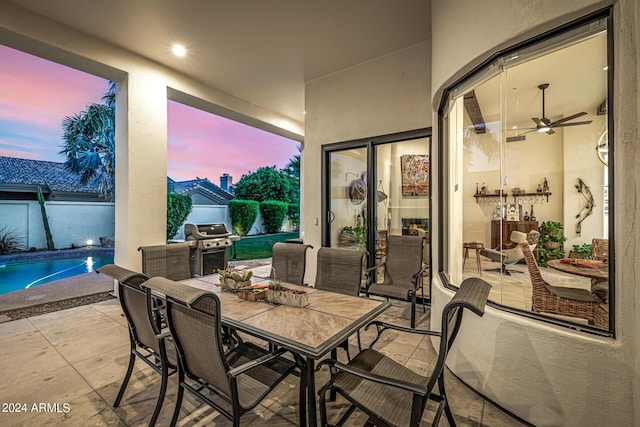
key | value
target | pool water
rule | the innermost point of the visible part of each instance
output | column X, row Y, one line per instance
column 18, row 275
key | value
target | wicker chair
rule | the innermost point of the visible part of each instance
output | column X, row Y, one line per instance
column 170, row 261
column 240, row 378
column 340, row 270
column 289, row 262
column 562, row 300
column 387, row 391
column 600, row 252
column 148, row 342
column 403, row 272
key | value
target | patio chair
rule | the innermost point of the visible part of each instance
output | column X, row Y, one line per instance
column 600, row 252
column 403, row 272
column 240, row 378
column 340, row 270
column 561, row 300
column 148, row 342
column 289, row 262
column 389, row 393
column 171, row 261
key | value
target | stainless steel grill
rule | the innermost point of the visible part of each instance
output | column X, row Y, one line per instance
column 211, row 243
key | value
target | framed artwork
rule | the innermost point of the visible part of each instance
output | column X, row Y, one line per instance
column 415, row 174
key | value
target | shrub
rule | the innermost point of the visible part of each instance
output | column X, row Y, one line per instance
column 9, row 241
column 273, row 213
column 243, row 214
column 293, row 212
column 178, row 209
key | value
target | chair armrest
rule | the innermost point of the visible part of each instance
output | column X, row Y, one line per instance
column 393, row 382
column 163, row 335
column 254, row 363
column 368, row 270
column 419, row 274
column 382, row 326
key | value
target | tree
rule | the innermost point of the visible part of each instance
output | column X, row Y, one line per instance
column 293, row 167
column 89, row 144
column 267, row 183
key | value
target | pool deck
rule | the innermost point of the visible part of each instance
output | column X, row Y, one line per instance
column 72, row 287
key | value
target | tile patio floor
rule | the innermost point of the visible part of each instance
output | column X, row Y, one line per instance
column 78, row 357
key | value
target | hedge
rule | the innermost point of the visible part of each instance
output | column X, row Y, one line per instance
column 243, row 215
column 273, row 213
column 178, row 209
column 293, row 212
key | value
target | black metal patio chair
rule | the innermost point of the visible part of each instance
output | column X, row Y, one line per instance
column 403, row 272
column 171, row 261
column 289, row 262
column 240, row 378
column 148, row 342
column 389, row 393
column 340, row 270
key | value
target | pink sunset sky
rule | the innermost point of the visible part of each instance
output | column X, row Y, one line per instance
column 36, row 95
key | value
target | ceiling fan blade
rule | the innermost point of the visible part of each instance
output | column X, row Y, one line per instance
column 536, row 121
column 566, row 119
column 546, row 121
column 573, row 124
column 550, row 132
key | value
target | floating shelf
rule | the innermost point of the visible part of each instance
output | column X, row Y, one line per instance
column 515, row 196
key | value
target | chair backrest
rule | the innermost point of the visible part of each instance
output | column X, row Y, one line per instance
column 404, row 258
column 171, row 261
column 517, row 236
column 339, row 270
column 289, row 262
column 472, row 295
column 193, row 316
column 599, row 249
column 136, row 304
column 537, row 282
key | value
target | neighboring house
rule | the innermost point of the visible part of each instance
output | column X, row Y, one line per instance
column 20, row 179
column 77, row 215
column 201, row 190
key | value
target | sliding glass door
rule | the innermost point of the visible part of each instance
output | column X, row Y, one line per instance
column 375, row 188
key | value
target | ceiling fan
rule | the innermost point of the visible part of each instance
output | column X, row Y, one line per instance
column 545, row 125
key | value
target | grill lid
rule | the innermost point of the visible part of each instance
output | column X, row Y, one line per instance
column 205, row 231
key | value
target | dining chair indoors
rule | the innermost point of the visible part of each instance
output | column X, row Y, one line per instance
column 171, row 261
column 148, row 342
column 289, row 262
column 403, row 272
column 388, row 392
column 561, row 300
column 233, row 382
column 600, row 252
column 340, row 270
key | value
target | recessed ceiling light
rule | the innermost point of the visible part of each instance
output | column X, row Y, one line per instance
column 515, row 127
column 606, row 68
column 178, row 50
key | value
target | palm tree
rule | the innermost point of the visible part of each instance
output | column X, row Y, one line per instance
column 89, row 143
column 293, row 167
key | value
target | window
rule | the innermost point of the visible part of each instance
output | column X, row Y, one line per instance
column 526, row 157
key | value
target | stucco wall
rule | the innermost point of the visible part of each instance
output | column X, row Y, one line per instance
column 71, row 223
column 381, row 96
column 549, row 375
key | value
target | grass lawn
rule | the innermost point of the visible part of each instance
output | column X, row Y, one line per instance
column 257, row 247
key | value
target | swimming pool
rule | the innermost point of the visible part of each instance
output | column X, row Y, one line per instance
column 21, row 274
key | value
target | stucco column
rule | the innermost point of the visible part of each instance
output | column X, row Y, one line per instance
column 141, row 166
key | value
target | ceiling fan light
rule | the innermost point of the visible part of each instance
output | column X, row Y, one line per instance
column 544, row 129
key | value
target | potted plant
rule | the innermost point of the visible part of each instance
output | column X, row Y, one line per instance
column 551, row 241
column 352, row 236
column 279, row 294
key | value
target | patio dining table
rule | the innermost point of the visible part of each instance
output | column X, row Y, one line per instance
column 309, row 333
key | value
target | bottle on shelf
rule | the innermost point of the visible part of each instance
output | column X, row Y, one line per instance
column 526, row 216
column 532, row 217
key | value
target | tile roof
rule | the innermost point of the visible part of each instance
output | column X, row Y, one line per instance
column 212, row 191
column 37, row 172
